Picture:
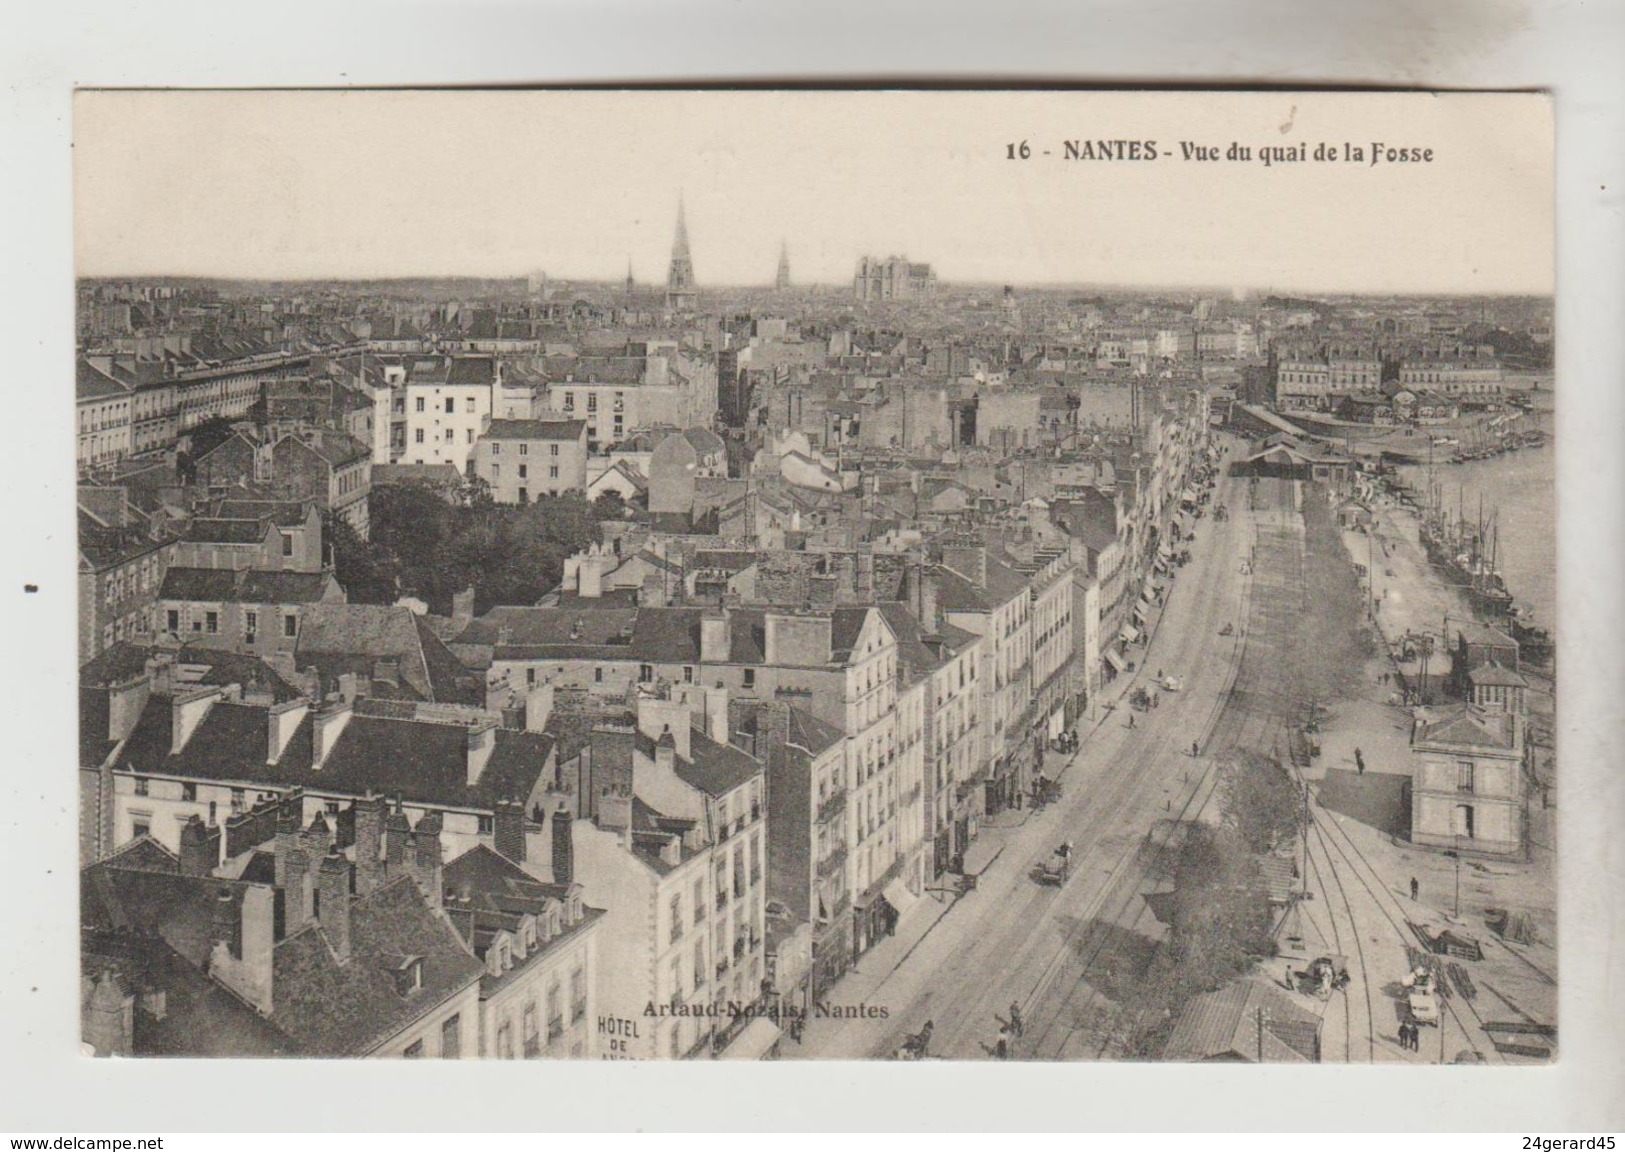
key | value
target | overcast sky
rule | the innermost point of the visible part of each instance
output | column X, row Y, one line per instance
column 364, row 184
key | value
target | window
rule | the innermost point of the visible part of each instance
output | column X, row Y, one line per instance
column 172, row 620
column 699, row 964
column 555, row 1014
column 290, row 625
column 505, row 1042
column 1464, row 776
column 414, row 1050
column 524, row 471
column 592, row 402
column 597, row 675
column 688, row 674
column 189, row 792
column 143, row 787
column 553, row 472
column 211, row 622
column 417, row 436
column 569, row 401
column 578, row 994
column 677, row 1041
column 524, row 496
column 699, row 900
column 238, row 800
column 750, row 677
column 451, row 405
column 496, row 471
column 552, row 449
column 420, row 403
column 451, row 1037
column 486, row 825
column 533, row 1040
column 496, row 448
column 287, row 544
column 524, row 449
column 140, row 826
column 646, row 673
column 468, row 404
column 676, row 918
column 470, row 435
column 451, row 435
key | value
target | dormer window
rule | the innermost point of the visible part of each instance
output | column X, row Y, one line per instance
column 408, row 975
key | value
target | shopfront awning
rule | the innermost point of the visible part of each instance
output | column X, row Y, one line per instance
column 1115, row 660
column 898, row 896
column 755, row 1042
column 1129, row 634
column 1141, row 611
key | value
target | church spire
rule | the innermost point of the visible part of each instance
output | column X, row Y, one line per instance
column 783, row 280
column 680, row 294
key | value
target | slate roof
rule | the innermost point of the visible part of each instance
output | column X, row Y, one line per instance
column 212, row 530
column 340, row 638
column 715, row 769
column 200, row 1018
column 491, row 893
column 809, row 732
column 535, row 429
column 1494, row 675
column 957, row 594
column 1470, row 727
column 649, row 635
column 347, row 1009
column 191, row 667
column 91, row 383
column 249, row 586
column 102, row 546
column 426, row 763
column 283, row 513
column 471, row 370
column 911, row 648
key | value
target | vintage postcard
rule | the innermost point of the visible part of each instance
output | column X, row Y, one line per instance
column 893, row 575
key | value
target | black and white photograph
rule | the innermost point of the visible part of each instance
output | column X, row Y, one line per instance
column 880, row 575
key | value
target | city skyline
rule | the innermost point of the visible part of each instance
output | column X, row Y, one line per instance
column 575, row 183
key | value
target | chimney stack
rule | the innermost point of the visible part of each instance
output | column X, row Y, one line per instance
column 564, row 854
column 482, row 739
column 666, row 752
column 125, row 701
column 334, row 881
column 331, row 720
column 283, row 721
column 297, row 893
column 188, row 711
column 289, row 824
column 397, row 830
column 428, row 858
column 714, row 638
column 200, row 848
column 509, row 828
column 369, row 840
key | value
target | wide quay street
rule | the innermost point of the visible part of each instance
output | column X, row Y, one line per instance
column 1064, row 954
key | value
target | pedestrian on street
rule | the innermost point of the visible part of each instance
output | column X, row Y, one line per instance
column 1195, row 750
column 1416, row 889
column 1405, row 1034
column 1359, row 761
column 1015, row 1018
column 1001, row 1050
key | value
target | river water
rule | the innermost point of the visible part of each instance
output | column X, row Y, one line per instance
column 1521, row 489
